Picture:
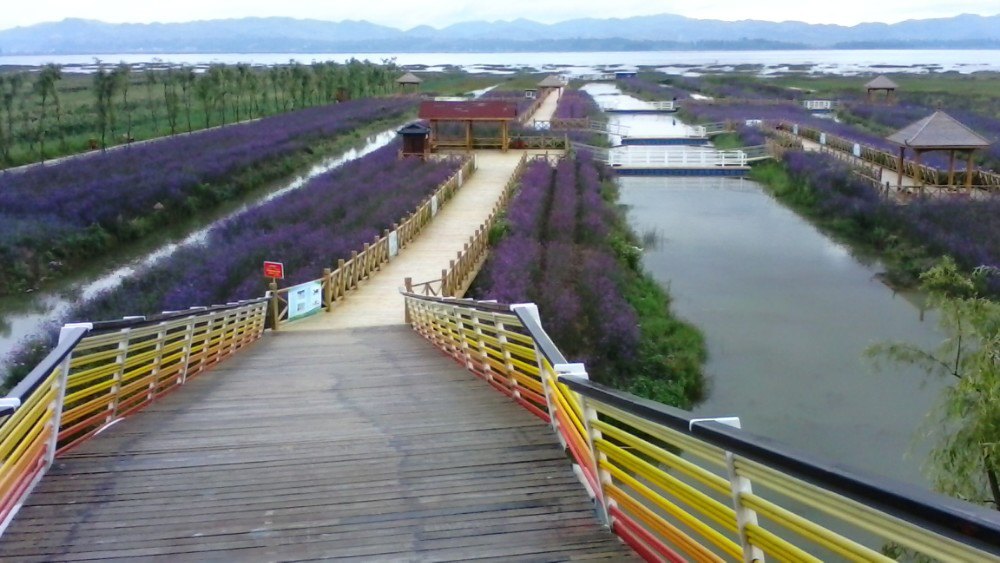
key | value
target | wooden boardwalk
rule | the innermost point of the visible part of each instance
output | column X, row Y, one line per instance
column 547, row 109
column 377, row 301
column 364, row 443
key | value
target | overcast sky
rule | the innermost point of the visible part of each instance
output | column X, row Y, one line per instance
column 438, row 13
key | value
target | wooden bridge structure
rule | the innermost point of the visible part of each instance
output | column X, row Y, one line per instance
column 404, row 422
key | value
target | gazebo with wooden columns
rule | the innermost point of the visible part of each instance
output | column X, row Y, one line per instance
column 881, row 84
column 552, row 83
column 409, row 82
column 497, row 113
column 938, row 132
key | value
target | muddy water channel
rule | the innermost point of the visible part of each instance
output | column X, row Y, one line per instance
column 25, row 315
column 787, row 314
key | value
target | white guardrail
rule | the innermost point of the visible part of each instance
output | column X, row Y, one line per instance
column 675, row 157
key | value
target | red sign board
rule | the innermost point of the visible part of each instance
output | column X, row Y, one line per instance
column 274, row 270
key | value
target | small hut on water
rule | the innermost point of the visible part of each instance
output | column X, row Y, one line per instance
column 938, row 132
column 881, row 84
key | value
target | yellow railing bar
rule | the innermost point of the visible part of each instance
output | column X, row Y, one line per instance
column 667, row 530
column 813, row 532
column 723, row 515
column 857, row 514
column 704, row 476
column 706, row 531
column 778, row 547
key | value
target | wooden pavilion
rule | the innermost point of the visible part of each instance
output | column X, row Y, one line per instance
column 938, row 132
column 480, row 123
column 552, row 83
column 409, row 82
column 881, row 84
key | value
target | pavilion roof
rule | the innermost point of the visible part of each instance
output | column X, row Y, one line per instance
column 881, row 83
column 551, row 81
column 938, row 131
column 493, row 110
column 409, row 78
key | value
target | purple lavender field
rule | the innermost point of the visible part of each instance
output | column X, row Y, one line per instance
column 967, row 230
column 307, row 229
column 556, row 255
column 79, row 208
column 567, row 249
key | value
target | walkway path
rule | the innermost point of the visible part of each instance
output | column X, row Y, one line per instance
column 547, row 109
column 367, row 444
column 377, row 301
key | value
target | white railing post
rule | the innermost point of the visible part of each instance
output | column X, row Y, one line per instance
column 531, row 310
column 120, row 359
column 188, row 342
column 738, row 485
column 57, row 404
column 601, row 476
column 154, row 374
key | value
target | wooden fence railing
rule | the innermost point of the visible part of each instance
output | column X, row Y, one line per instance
column 336, row 283
column 932, row 177
column 679, row 488
column 455, row 280
column 101, row 372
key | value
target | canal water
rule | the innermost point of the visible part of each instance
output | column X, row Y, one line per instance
column 25, row 315
column 787, row 314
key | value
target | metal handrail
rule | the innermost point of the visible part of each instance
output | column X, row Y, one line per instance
column 101, row 372
column 649, row 467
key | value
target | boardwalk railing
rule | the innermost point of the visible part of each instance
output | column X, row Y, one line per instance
column 709, row 129
column 336, row 283
column 982, row 180
column 101, row 372
column 455, row 280
column 675, row 157
column 678, row 488
column 582, row 124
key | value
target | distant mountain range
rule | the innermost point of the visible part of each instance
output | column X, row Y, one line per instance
column 287, row 35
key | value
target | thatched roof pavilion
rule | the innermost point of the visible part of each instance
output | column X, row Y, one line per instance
column 881, row 84
column 409, row 81
column 939, row 132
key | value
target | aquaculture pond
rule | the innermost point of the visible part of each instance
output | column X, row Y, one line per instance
column 788, row 314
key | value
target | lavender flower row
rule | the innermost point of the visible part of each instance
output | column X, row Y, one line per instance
column 567, row 266
column 307, row 230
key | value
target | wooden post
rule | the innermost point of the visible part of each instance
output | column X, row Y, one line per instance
column 899, row 169
column 969, row 171
column 327, row 289
column 274, row 304
column 444, row 283
column 951, row 168
column 468, row 135
column 505, row 141
column 919, row 173
column 340, row 280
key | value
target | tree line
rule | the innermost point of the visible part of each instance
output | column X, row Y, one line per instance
column 47, row 113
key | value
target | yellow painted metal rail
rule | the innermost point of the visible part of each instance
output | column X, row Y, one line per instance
column 102, row 372
column 678, row 488
column 337, row 282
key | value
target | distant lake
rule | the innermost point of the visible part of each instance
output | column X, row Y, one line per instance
column 829, row 61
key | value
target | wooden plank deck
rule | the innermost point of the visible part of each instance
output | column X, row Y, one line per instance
column 363, row 443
